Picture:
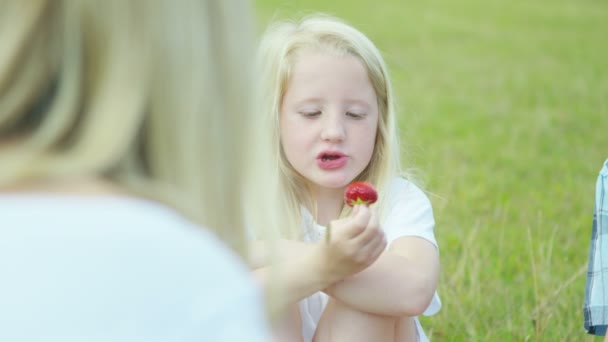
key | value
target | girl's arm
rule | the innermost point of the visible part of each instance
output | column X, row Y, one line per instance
column 294, row 277
column 300, row 269
column 401, row 282
column 294, row 265
column 262, row 253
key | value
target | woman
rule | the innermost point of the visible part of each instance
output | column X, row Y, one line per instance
column 120, row 135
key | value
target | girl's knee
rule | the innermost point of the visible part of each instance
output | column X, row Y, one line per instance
column 343, row 323
column 288, row 327
column 405, row 330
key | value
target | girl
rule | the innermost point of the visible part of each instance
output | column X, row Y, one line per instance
column 114, row 125
column 330, row 120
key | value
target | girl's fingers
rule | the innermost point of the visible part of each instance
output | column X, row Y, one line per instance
column 374, row 221
column 380, row 248
column 370, row 251
column 372, row 227
column 357, row 224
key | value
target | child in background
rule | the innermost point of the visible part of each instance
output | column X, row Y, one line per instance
column 596, row 291
column 327, row 114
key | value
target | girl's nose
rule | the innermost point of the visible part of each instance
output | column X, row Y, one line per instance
column 333, row 129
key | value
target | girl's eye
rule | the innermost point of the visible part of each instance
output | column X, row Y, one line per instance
column 355, row 115
column 311, row 113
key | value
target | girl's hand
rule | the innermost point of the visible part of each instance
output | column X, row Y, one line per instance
column 356, row 242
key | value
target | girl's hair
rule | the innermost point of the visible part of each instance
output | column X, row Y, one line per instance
column 152, row 95
column 280, row 47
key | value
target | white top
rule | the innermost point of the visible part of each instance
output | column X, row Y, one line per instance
column 110, row 268
column 409, row 213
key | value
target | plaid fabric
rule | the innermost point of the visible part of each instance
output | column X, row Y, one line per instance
column 596, row 291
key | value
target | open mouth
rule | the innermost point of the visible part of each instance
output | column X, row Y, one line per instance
column 330, row 160
column 328, row 157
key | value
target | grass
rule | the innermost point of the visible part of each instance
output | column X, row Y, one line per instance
column 504, row 110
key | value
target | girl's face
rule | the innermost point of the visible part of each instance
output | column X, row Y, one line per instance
column 329, row 119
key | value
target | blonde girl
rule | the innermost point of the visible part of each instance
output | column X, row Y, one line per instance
column 327, row 115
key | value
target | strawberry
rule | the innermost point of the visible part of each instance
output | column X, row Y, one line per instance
column 356, row 193
column 360, row 193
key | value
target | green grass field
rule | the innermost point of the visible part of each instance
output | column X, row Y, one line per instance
column 504, row 112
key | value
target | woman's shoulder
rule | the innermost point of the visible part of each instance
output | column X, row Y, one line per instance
column 120, row 222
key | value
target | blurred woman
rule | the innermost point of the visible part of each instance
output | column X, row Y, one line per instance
column 121, row 135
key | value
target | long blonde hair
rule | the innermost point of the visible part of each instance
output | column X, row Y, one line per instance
column 152, row 95
column 277, row 53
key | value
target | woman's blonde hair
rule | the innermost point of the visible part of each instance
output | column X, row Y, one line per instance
column 278, row 51
column 152, row 95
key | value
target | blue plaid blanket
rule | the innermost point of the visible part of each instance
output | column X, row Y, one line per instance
column 596, row 291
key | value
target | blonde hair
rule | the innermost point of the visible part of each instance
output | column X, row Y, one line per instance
column 152, row 95
column 278, row 51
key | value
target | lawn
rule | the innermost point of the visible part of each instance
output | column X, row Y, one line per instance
column 504, row 115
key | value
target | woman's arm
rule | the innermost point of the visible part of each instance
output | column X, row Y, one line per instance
column 401, row 282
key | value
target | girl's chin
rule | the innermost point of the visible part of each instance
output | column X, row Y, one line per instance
column 333, row 183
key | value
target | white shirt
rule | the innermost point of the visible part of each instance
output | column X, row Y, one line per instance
column 110, row 268
column 409, row 213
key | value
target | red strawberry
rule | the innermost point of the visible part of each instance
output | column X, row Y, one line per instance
column 360, row 193
column 356, row 193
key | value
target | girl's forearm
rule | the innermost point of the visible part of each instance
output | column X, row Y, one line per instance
column 293, row 279
column 263, row 253
column 391, row 286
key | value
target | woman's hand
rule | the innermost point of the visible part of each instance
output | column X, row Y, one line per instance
column 355, row 243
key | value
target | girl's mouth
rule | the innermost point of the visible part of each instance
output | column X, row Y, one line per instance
column 329, row 157
column 331, row 160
